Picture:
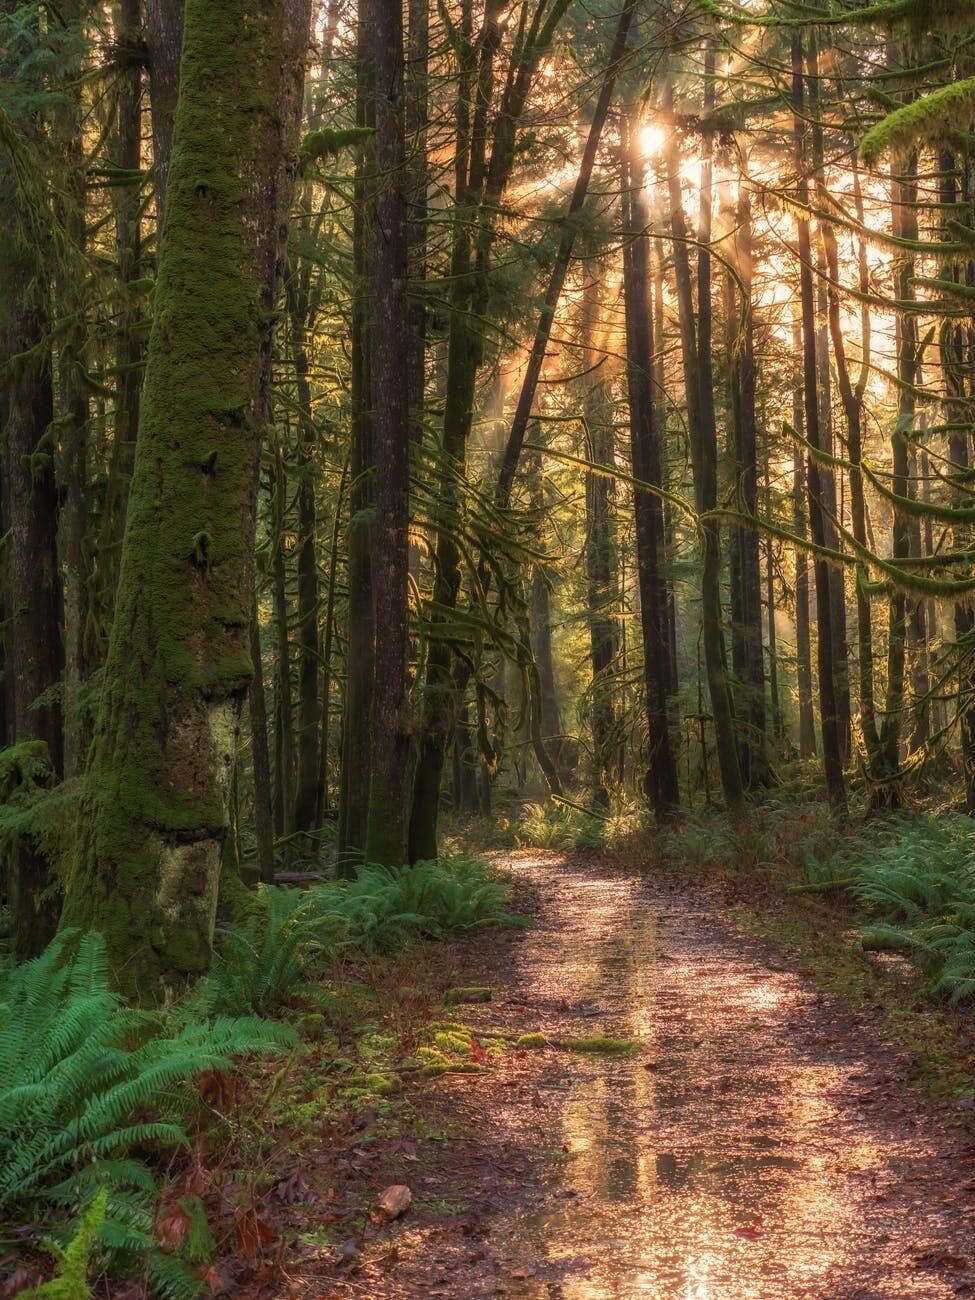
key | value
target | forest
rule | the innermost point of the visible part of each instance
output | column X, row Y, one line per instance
column 487, row 643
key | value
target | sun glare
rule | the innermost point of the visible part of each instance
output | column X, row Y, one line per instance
column 652, row 139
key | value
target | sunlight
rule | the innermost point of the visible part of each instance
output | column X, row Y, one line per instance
column 653, row 137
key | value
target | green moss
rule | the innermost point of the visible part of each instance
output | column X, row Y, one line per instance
column 178, row 663
column 532, row 1040
column 475, row 994
column 600, row 1043
column 928, row 119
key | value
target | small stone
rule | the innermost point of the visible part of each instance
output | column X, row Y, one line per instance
column 396, row 1200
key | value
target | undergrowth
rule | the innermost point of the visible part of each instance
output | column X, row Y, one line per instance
column 93, row 1097
column 293, row 934
column 98, row 1098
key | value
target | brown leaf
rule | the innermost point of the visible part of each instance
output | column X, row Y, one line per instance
column 251, row 1232
column 172, row 1226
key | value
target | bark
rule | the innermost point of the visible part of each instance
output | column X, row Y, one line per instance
column 360, row 642
column 309, row 642
column 33, row 648
column 386, row 829
column 601, row 558
column 260, row 757
column 905, row 194
column 703, row 439
column 156, row 808
column 660, row 783
column 284, row 726
column 800, row 497
column 829, row 716
column 755, row 769
column 164, row 45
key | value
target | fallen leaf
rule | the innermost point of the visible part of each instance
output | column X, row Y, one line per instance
column 172, row 1226
column 523, row 1272
column 395, row 1200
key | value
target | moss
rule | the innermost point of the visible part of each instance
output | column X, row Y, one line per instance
column 452, row 1042
column 928, row 119
column 178, row 663
column 532, row 1040
column 474, row 994
column 600, row 1043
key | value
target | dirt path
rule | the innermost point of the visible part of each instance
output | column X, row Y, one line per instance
column 761, row 1144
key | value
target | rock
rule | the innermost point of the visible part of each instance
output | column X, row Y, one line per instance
column 395, row 1200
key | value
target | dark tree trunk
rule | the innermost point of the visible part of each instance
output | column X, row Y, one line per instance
column 830, row 722
column 800, row 497
column 703, row 439
column 388, row 794
column 260, row 758
column 660, row 783
column 360, row 642
column 601, row 560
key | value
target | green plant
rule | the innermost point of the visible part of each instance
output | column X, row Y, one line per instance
column 89, row 1087
column 294, row 934
column 918, row 882
column 562, row 826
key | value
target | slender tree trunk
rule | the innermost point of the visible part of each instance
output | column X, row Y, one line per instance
column 800, row 497
column 832, row 748
column 309, row 641
column 386, row 830
column 601, row 561
column 360, row 642
column 33, row 650
column 284, row 727
column 661, row 782
column 164, row 45
column 703, row 439
column 260, row 757
column 743, row 410
column 905, row 327
column 179, row 666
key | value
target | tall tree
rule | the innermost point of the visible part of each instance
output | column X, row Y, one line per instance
column 178, row 667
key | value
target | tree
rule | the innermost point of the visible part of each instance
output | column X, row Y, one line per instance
column 178, row 667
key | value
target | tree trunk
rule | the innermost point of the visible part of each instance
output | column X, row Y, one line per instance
column 260, row 757
column 388, row 794
column 360, row 642
column 179, row 666
column 832, row 750
column 703, row 440
column 661, row 782
column 601, row 561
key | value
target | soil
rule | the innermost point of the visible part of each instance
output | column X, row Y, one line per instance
column 759, row 1141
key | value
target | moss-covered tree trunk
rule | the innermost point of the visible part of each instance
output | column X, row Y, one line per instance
column 179, row 663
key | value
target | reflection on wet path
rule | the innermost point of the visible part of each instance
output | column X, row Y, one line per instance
column 744, row 1153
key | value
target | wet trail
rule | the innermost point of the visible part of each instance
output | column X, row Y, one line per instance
column 760, row 1145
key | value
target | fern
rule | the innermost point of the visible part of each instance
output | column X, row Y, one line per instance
column 86, row 1082
column 71, row 1282
column 380, row 911
column 918, row 885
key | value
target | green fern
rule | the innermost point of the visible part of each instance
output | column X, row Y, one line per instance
column 297, row 933
column 86, row 1083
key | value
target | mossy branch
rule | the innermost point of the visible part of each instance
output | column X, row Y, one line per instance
column 926, row 120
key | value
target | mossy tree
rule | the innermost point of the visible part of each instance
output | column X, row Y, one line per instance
column 178, row 666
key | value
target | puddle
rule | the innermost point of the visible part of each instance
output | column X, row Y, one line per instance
column 731, row 1158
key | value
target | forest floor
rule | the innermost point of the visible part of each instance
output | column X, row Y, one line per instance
column 692, row 1116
